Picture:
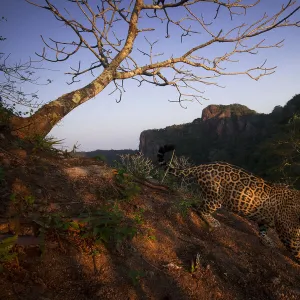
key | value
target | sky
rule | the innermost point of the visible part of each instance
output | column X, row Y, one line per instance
column 102, row 123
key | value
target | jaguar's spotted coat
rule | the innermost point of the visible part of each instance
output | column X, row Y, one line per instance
column 270, row 205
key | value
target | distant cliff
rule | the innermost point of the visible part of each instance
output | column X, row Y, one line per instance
column 209, row 137
column 232, row 133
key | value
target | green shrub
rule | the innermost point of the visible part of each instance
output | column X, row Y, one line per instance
column 129, row 189
column 138, row 216
column 6, row 250
column 135, row 276
column 44, row 143
column 101, row 226
column 105, row 225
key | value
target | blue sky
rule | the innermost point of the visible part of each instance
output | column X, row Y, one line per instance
column 101, row 123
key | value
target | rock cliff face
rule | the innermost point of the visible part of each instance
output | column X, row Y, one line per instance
column 218, row 124
column 231, row 133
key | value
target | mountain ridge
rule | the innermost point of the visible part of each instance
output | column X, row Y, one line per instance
column 232, row 133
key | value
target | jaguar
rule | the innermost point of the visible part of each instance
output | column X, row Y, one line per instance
column 221, row 184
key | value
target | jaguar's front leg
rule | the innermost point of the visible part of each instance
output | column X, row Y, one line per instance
column 206, row 210
column 210, row 220
column 264, row 238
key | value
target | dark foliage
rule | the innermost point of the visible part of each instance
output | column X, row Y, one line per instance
column 265, row 144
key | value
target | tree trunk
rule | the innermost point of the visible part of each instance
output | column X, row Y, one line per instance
column 50, row 114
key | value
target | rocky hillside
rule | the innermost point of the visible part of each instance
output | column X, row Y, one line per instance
column 231, row 133
column 73, row 228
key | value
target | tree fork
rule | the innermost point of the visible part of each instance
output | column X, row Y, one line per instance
column 41, row 122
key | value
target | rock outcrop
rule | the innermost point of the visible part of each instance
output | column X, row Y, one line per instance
column 232, row 133
column 218, row 124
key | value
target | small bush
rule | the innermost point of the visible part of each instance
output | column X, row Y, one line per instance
column 137, row 165
column 101, row 226
column 6, row 250
column 129, row 189
column 135, row 276
column 138, row 216
column 104, row 226
column 45, row 143
column 22, row 204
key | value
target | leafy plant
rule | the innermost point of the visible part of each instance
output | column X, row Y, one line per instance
column 55, row 221
column 184, row 206
column 44, row 143
column 152, row 237
column 129, row 189
column 138, row 216
column 101, row 226
column 104, row 226
column 29, row 199
column 135, row 276
column 93, row 228
column 189, row 198
column 178, row 162
column 6, row 253
column 22, row 203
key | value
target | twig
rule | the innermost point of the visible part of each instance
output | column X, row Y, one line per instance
column 168, row 166
column 160, row 187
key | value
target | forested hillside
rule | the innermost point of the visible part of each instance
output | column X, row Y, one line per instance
column 266, row 144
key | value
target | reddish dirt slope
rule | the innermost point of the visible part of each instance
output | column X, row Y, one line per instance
column 155, row 264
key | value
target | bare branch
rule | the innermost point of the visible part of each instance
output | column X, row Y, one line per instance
column 117, row 53
column 13, row 77
column 120, row 89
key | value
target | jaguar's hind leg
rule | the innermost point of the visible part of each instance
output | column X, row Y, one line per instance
column 289, row 232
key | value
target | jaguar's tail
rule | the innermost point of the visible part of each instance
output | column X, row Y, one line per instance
column 161, row 153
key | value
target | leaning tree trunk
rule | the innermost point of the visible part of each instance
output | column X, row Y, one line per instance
column 50, row 114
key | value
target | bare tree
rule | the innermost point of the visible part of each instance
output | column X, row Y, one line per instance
column 117, row 56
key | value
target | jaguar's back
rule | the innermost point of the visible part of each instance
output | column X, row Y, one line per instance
column 234, row 188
